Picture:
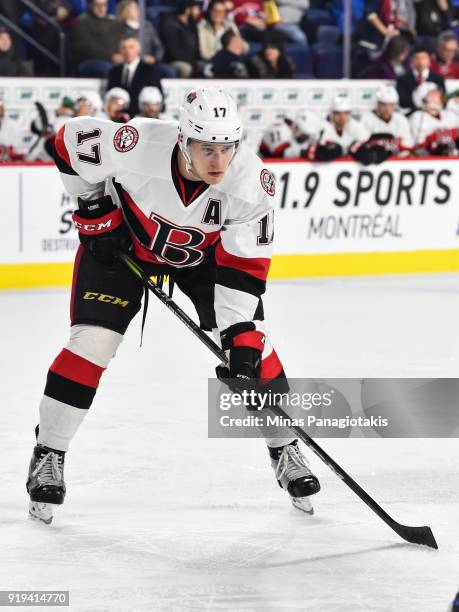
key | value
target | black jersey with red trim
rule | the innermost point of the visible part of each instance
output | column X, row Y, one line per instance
column 171, row 223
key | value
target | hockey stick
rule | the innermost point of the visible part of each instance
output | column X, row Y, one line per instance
column 415, row 535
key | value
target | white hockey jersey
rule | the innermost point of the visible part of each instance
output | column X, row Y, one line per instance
column 305, row 129
column 423, row 124
column 277, row 138
column 353, row 132
column 398, row 126
column 14, row 140
column 134, row 163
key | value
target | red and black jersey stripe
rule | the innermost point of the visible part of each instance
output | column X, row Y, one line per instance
column 242, row 273
column 61, row 155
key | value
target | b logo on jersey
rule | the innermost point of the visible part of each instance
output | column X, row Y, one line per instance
column 176, row 244
column 125, row 139
column 268, row 182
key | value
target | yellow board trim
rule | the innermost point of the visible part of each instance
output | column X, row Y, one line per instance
column 364, row 264
column 30, row 275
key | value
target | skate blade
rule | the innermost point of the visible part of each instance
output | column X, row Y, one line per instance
column 303, row 504
column 41, row 512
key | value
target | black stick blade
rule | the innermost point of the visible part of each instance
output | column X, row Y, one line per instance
column 416, row 535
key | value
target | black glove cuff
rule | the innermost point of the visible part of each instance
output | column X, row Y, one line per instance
column 93, row 209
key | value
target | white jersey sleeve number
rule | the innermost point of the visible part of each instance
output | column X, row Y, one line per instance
column 266, row 223
column 94, row 156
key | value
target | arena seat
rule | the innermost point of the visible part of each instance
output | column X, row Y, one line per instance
column 328, row 64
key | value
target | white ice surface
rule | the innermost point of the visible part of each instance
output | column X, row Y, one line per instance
column 160, row 518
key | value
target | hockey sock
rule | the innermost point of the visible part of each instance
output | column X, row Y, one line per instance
column 72, row 383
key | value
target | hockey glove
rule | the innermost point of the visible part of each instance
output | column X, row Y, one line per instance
column 328, row 151
column 368, row 154
column 101, row 228
column 245, row 345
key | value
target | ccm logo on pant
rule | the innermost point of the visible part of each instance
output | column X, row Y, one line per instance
column 102, row 297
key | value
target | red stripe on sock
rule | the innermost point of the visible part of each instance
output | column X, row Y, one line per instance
column 77, row 368
column 270, row 367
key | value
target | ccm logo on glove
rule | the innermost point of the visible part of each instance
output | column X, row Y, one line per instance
column 108, row 222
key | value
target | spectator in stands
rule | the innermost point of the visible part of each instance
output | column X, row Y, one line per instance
column 212, row 27
column 95, row 37
column 89, row 103
column 336, row 8
column 10, row 66
column 230, row 62
column 229, row 6
column 128, row 13
column 435, row 130
column 444, row 62
column 79, row 6
column 291, row 13
column 419, row 73
column 150, row 102
column 433, row 16
column 392, row 63
column 389, row 130
column 133, row 74
column 47, row 35
column 339, row 134
column 12, row 10
column 116, row 104
column 386, row 19
column 250, row 18
column 180, row 37
column 271, row 63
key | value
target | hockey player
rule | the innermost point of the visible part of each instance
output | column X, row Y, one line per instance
column 305, row 130
column 276, row 139
column 389, row 130
column 339, row 133
column 116, row 104
column 64, row 112
column 88, row 104
column 11, row 138
column 150, row 102
column 290, row 137
column 434, row 128
column 165, row 193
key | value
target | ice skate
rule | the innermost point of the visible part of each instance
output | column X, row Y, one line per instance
column 45, row 482
column 293, row 474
